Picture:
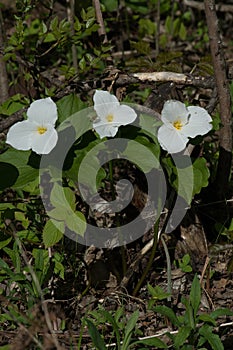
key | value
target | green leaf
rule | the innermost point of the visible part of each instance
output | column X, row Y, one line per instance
column 221, row 312
column 129, row 329
column 155, row 342
column 157, row 292
column 195, row 295
column 18, row 159
column 52, row 233
column 188, row 316
column 201, row 175
column 5, row 242
column 95, row 335
column 149, row 126
column 182, row 32
column 76, row 222
column 69, row 105
column 167, row 312
column 143, row 153
column 213, row 339
column 181, row 336
column 207, row 319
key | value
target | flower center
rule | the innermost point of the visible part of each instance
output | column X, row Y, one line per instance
column 41, row 130
column 178, row 125
column 109, row 118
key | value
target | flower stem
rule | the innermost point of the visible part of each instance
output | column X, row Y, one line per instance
column 151, row 259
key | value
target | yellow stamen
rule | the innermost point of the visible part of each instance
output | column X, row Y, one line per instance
column 109, row 118
column 178, row 125
column 41, row 130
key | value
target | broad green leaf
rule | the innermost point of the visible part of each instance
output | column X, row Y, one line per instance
column 12, row 105
column 155, row 342
column 143, row 153
column 221, row 312
column 207, row 319
column 11, row 178
column 19, row 159
column 76, row 222
column 167, row 312
column 213, row 339
column 53, row 232
column 195, row 295
column 95, row 335
column 181, row 336
column 69, row 105
column 5, row 242
column 201, row 174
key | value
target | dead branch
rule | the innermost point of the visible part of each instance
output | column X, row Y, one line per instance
column 99, row 17
column 3, row 72
column 178, row 78
column 122, row 80
column 219, row 64
column 16, row 117
column 200, row 6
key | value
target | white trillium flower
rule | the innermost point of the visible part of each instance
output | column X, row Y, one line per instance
column 37, row 132
column 111, row 115
column 181, row 123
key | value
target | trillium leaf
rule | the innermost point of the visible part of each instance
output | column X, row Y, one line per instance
column 12, row 175
column 144, row 153
column 69, row 105
column 19, row 159
column 201, row 175
column 76, row 222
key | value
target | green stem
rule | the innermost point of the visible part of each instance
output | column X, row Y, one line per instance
column 151, row 259
column 123, row 258
column 169, row 271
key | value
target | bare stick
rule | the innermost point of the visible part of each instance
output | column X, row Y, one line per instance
column 71, row 15
column 99, row 17
column 200, row 6
column 121, row 81
column 3, row 72
column 225, row 135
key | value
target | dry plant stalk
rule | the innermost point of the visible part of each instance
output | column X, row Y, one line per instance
column 3, row 72
column 219, row 64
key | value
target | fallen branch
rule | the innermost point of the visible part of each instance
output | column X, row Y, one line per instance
column 200, row 6
column 178, row 78
column 122, row 80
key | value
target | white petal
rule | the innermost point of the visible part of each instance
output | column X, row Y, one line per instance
column 105, row 130
column 171, row 139
column 43, row 144
column 20, row 135
column 173, row 110
column 123, row 115
column 43, row 111
column 199, row 122
column 104, row 103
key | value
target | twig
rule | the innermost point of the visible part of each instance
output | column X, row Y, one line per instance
column 225, row 134
column 157, row 29
column 16, row 117
column 4, row 94
column 121, row 81
column 71, row 15
column 200, row 6
column 178, row 78
column 99, row 17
